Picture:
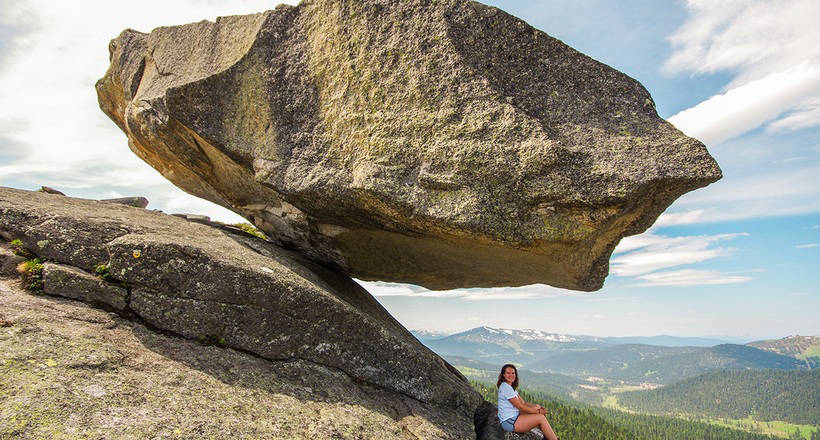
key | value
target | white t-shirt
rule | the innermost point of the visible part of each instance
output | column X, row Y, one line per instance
column 506, row 409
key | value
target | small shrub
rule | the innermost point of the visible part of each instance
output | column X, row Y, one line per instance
column 31, row 272
column 102, row 272
column 18, row 249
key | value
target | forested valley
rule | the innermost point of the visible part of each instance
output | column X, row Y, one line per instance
column 766, row 395
column 584, row 422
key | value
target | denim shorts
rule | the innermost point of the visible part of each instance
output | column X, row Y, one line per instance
column 509, row 424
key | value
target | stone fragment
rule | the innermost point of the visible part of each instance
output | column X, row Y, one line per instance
column 534, row 434
column 9, row 262
column 204, row 219
column 429, row 142
column 70, row 282
column 138, row 202
column 50, row 190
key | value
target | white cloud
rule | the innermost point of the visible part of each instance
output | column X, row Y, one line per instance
column 601, row 298
column 50, row 113
column 681, row 218
column 752, row 38
column 804, row 116
column 380, row 289
column 771, row 49
column 765, row 194
column 689, row 277
column 808, row 245
column 750, row 105
column 646, row 253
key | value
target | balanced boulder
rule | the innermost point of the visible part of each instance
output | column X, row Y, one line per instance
column 441, row 143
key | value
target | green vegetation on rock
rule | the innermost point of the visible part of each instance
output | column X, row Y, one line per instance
column 251, row 229
column 31, row 272
column 18, row 249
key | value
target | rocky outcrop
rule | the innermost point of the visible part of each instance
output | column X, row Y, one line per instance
column 236, row 291
column 429, row 142
column 71, row 371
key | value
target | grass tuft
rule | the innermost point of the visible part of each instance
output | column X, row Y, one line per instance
column 31, row 272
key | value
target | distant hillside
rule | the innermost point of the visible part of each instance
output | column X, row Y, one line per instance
column 500, row 346
column 559, row 387
column 799, row 347
column 667, row 341
column 622, row 362
column 663, row 365
column 423, row 335
column 791, row 396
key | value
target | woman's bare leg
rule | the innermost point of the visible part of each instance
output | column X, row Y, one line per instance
column 547, row 430
column 526, row 422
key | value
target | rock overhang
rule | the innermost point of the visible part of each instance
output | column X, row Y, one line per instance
column 440, row 143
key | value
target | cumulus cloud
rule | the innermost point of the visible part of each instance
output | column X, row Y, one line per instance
column 382, row 289
column 53, row 54
column 765, row 194
column 804, row 116
column 689, row 277
column 682, row 218
column 752, row 38
column 752, row 104
column 771, row 49
column 642, row 254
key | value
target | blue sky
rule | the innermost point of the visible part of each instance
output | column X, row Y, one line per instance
column 741, row 257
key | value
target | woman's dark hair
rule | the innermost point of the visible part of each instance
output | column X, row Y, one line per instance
column 501, row 376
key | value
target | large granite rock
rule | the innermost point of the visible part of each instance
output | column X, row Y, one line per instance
column 71, row 371
column 233, row 290
column 421, row 141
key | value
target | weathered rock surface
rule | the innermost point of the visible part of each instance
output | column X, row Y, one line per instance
column 68, row 281
column 71, row 371
column 430, row 142
column 139, row 202
column 9, row 261
column 237, row 291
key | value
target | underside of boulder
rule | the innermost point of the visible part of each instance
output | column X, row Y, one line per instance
column 440, row 143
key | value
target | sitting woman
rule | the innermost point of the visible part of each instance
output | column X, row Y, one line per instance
column 511, row 405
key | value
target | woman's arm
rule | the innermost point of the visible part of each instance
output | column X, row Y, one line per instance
column 525, row 407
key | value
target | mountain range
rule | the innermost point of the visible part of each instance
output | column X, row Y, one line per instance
column 667, row 360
